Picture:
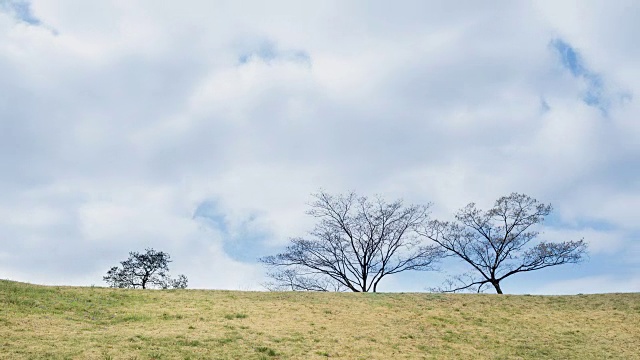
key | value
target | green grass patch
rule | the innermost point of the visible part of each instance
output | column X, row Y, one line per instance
column 235, row 316
column 42, row 322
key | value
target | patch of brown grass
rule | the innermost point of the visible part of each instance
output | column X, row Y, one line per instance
column 100, row 323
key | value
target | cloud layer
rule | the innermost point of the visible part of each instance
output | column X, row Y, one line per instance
column 200, row 129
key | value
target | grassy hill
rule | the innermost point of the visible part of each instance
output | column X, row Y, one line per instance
column 40, row 322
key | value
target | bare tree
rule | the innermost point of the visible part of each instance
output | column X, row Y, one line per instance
column 294, row 280
column 498, row 243
column 354, row 245
column 180, row 282
column 144, row 270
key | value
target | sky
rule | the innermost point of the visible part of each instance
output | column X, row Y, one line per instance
column 200, row 128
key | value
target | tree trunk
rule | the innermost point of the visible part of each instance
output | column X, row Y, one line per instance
column 496, row 284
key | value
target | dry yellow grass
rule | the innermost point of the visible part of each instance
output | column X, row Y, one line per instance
column 38, row 322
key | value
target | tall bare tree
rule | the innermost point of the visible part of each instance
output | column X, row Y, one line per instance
column 354, row 245
column 498, row 243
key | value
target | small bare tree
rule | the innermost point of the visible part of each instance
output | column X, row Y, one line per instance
column 497, row 243
column 355, row 244
column 295, row 280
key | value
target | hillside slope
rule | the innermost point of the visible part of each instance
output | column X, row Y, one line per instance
column 100, row 323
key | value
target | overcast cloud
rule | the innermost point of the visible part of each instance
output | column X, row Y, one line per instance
column 201, row 128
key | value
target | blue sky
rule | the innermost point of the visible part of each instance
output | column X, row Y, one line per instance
column 201, row 129
column 594, row 95
column 20, row 10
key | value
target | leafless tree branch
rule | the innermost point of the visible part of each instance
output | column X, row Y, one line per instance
column 498, row 243
column 355, row 244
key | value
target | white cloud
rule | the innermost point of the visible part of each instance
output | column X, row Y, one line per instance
column 599, row 241
column 592, row 284
column 115, row 128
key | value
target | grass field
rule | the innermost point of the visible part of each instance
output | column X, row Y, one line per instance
column 40, row 322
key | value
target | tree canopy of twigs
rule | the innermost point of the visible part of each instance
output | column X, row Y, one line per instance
column 499, row 242
column 355, row 243
column 144, row 270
